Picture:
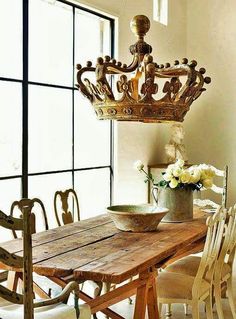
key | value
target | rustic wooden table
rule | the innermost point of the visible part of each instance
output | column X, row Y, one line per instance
column 94, row 249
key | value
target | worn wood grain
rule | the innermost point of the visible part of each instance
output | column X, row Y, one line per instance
column 131, row 259
column 51, row 235
column 94, row 249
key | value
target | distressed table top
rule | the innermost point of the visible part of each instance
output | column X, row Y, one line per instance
column 93, row 249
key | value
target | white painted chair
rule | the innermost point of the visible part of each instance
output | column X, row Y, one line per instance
column 224, row 266
column 209, row 205
column 16, row 306
column 182, row 288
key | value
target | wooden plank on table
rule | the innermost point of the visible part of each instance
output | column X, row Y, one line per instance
column 73, row 242
column 121, row 252
column 50, row 235
column 58, row 266
column 105, row 253
column 121, row 265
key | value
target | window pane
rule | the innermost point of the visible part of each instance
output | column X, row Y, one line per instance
column 10, row 190
column 93, row 189
column 10, row 128
column 50, row 129
column 11, row 38
column 44, row 187
column 97, row 30
column 92, row 137
column 51, row 42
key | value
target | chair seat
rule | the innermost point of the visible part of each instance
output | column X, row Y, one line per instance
column 177, row 286
column 189, row 266
column 58, row 311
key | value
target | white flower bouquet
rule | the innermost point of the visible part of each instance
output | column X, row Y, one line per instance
column 177, row 176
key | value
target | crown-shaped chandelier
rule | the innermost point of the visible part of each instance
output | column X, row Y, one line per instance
column 139, row 97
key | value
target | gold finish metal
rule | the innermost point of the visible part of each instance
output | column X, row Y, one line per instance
column 140, row 97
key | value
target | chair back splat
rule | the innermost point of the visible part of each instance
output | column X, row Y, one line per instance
column 67, row 213
column 221, row 190
column 211, row 250
column 38, row 206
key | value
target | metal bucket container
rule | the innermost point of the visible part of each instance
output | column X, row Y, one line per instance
column 179, row 202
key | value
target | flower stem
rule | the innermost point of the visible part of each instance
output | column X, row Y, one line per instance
column 149, row 176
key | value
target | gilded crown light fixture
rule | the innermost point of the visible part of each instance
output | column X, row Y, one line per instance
column 140, row 97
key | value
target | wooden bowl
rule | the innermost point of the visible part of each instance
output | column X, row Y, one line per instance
column 137, row 218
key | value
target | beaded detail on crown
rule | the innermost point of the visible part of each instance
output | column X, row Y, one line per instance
column 143, row 91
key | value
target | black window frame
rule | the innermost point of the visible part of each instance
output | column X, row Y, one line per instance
column 25, row 105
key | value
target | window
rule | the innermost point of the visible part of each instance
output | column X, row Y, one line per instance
column 160, row 11
column 49, row 137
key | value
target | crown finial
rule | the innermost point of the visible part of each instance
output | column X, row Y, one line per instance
column 140, row 25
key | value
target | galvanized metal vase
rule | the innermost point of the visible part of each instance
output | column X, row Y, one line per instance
column 179, row 201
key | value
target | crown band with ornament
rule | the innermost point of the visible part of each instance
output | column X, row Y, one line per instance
column 138, row 102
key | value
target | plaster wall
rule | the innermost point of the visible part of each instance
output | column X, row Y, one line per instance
column 210, row 125
column 137, row 140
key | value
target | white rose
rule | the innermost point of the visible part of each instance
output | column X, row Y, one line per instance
column 167, row 177
column 173, row 183
column 210, row 172
column 138, row 165
column 207, row 183
column 195, row 176
column 180, row 163
column 177, row 171
column 170, row 168
column 185, row 177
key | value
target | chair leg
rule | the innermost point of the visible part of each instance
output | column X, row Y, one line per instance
column 230, row 297
column 98, row 289
column 106, row 287
column 160, row 308
column 195, row 310
column 185, row 309
column 218, row 300
column 209, row 310
column 168, row 311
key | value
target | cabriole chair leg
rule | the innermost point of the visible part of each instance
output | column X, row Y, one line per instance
column 168, row 311
column 218, row 301
column 195, row 310
column 209, row 310
column 230, row 297
column 186, row 309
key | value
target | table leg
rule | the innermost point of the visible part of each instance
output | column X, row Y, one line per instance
column 146, row 296
column 153, row 311
column 141, row 302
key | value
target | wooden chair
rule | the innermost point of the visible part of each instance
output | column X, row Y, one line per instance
column 69, row 203
column 208, row 204
column 40, row 284
column 185, row 289
column 66, row 216
column 224, row 266
column 18, row 205
column 16, row 306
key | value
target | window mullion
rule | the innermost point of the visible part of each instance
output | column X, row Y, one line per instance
column 25, row 98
